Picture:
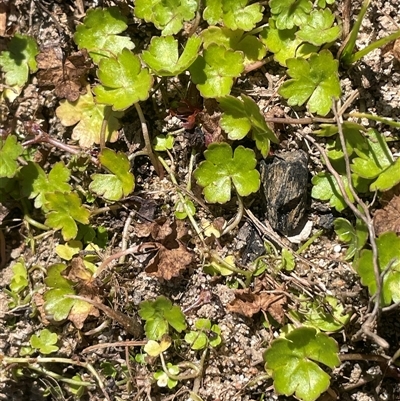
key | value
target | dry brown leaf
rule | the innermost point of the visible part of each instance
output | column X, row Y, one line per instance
column 168, row 263
column 388, row 218
column 248, row 303
column 69, row 77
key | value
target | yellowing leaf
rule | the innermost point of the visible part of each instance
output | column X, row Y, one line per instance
column 89, row 115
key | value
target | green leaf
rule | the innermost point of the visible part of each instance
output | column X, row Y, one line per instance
column 315, row 81
column 249, row 45
column 292, row 361
column 19, row 279
column 184, row 208
column 99, row 33
column 289, row 13
column 167, row 16
column 56, row 304
column 214, row 72
column 326, row 314
column 220, row 170
column 44, row 342
column 124, row 81
column 162, row 55
column 388, row 245
column 69, row 250
column 36, row 184
column 159, row 315
column 163, row 380
column 319, row 30
column 66, row 208
column 356, row 237
column 161, row 143
column 326, row 188
column 233, row 14
column 284, row 43
column 388, row 179
column 374, row 157
column 118, row 184
column 242, row 116
column 90, row 116
column 19, row 60
column 196, row 339
column 10, row 150
column 153, row 348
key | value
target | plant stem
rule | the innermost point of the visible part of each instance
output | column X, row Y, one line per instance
column 383, row 120
column 375, row 45
column 182, row 199
column 248, row 274
column 147, row 142
column 238, row 217
column 346, row 54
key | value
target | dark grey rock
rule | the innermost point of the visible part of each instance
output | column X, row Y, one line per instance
column 284, row 181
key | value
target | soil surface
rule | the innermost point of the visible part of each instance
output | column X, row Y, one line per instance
column 234, row 370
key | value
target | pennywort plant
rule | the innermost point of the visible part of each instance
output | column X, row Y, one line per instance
column 212, row 45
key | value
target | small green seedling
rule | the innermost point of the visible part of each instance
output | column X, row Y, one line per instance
column 45, row 342
column 163, row 380
column 162, row 143
column 118, row 184
column 204, row 335
column 123, row 81
column 325, row 315
column 18, row 285
column 159, row 315
column 221, row 170
column 388, row 245
column 215, row 268
column 242, row 116
column 293, row 363
column 356, row 237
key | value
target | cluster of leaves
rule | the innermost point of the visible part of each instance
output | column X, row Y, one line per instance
column 299, row 34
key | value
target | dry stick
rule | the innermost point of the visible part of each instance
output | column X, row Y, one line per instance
column 131, row 343
column 368, row 221
column 366, row 217
column 147, row 142
column 135, row 249
column 125, row 233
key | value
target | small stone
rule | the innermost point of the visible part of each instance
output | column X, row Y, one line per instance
column 337, row 249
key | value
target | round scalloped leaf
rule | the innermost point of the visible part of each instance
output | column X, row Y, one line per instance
column 293, row 362
column 314, row 81
column 162, row 56
column 167, row 16
column 124, row 81
column 214, row 72
column 220, row 170
column 99, row 33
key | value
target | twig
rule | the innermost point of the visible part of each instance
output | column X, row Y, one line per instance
column 116, row 344
column 125, row 233
column 135, row 249
column 41, row 136
column 147, row 142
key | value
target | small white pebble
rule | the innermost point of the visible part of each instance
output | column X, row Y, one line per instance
column 337, row 249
